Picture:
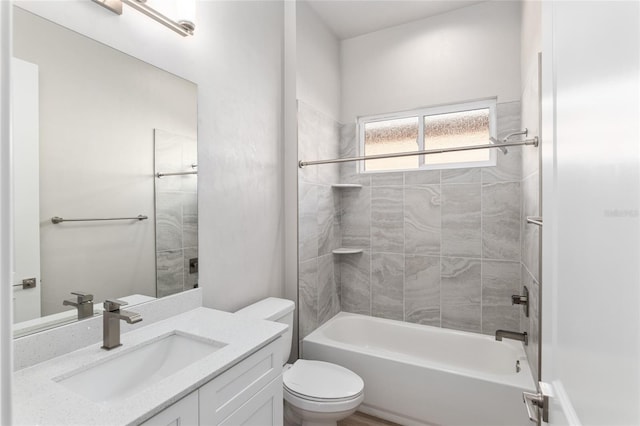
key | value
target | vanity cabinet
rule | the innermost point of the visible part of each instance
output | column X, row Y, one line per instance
column 249, row 393
column 181, row 413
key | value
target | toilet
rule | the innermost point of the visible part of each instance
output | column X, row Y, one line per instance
column 316, row 393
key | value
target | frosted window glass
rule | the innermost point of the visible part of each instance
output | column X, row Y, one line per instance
column 457, row 129
column 391, row 136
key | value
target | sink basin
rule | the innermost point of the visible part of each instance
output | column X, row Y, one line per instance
column 127, row 373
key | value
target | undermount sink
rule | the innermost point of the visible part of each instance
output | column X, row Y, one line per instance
column 125, row 374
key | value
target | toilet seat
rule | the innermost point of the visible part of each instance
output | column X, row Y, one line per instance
column 326, row 406
column 322, row 387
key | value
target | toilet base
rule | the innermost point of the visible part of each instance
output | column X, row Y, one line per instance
column 295, row 416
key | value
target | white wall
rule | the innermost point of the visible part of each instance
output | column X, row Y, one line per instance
column 470, row 53
column 318, row 62
column 97, row 152
column 591, row 209
column 236, row 60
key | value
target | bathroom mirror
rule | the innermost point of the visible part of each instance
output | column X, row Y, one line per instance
column 93, row 128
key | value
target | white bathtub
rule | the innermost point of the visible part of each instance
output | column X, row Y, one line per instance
column 417, row 374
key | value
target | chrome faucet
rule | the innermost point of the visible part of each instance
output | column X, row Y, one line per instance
column 83, row 302
column 523, row 337
column 111, row 322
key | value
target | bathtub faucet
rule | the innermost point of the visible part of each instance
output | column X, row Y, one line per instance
column 523, row 337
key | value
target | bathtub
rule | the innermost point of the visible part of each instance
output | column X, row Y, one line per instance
column 416, row 374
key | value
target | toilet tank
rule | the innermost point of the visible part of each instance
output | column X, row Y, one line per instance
column 274, row 309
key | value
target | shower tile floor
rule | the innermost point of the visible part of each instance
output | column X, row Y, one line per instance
column 361, row 419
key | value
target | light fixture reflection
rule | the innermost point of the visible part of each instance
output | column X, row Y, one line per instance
column 160, row 10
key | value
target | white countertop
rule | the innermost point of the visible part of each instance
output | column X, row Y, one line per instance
column 39, row 400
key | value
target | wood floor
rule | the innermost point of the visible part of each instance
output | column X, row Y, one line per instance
column 361, row 419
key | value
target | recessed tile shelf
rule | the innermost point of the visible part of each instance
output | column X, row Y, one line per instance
column 346, row 185
column 344, row 250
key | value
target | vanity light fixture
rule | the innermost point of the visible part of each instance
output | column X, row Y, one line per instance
column 186, row 9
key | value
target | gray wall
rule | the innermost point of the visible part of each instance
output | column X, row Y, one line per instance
column 440, row 247
column 530, row 265
column 319, row 220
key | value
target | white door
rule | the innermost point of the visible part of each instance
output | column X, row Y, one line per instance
column 591, row 189
column 25, row 155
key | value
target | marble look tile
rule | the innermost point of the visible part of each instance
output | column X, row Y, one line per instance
column 355, row 219
column 355, row 283
column 318, row 139
column 190, row 220
column 190, row 280
column 467, row 175
column 387, row 179
column 387, row 281
column 530, row 119
column 508, row 167
column 168, row 221
column 499, row 318
column 508, row 118
column 461, row 317
column 307, row 221
column 167, row 158
column 328, row 226
column 422, row 177
column 308, row 297
column 422, row 289
column 308, row 150
column 387, row 219
column 422, row 219
column 530, row 233
column 349, row 172
column 328, row 140
column 500, row 280
column 460, row 281
column 328, row 299
column 532, row 323
column 170, row 272
column 461, row 220
column 501, row 221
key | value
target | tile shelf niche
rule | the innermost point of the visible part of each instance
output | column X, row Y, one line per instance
column 346, row 185
column 344, row 250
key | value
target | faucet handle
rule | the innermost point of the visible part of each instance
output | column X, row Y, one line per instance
column 82, row 296
column 111, row 305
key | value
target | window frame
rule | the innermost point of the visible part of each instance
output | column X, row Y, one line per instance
column 490, row 104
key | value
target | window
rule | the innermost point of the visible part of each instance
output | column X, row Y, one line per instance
column 447, row 126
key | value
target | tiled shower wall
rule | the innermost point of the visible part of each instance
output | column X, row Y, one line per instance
column 530, row 265
column 319, row 227
column 176, row 213
column 440, row 247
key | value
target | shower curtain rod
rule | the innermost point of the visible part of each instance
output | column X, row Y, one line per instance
column 499, row 145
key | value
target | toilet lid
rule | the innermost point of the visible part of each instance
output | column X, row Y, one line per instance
column 322, row 380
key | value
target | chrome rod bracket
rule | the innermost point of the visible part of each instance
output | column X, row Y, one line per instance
column 536, row 220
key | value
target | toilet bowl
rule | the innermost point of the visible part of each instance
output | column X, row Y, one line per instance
column 320, row 393
column 316, row 393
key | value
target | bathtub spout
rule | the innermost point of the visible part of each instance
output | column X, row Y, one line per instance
column 523, row 337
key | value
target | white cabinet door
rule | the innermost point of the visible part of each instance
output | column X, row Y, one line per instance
column 233, row 388
column 182, row 413
column 264, row 409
